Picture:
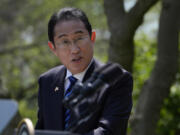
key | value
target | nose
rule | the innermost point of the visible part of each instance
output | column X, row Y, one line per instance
column 75, row 49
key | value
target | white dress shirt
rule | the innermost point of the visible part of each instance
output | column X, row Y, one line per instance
column 78, row 76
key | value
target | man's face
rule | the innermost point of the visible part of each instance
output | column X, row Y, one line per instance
column 73, row 45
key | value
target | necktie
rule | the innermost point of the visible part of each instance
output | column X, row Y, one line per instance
column 72, row 80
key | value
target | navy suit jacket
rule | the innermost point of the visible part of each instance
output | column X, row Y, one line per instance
column 110, row 119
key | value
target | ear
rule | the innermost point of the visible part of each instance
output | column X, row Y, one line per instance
column 51, row 46
column 93, row 36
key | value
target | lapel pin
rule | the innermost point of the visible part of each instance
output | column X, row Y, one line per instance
column 56, row 89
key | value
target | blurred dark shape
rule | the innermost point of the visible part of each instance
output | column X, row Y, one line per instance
column 9, row 116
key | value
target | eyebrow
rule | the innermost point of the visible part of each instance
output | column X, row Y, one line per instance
column 79, row 31
column 62, row 35
column 76, row 32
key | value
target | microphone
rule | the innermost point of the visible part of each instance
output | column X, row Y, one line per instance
column 104, row 76
column 111, row 74
column 77, row 88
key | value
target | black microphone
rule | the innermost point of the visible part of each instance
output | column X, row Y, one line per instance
column 107, row 76
column 111, row 74
column 79, row 86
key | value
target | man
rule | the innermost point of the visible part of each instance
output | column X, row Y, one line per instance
column 71, row 39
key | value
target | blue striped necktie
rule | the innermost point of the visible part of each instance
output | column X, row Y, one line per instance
column 72, row 80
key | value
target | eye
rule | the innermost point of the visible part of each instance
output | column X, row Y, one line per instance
column 79, row 38
column 65, row 42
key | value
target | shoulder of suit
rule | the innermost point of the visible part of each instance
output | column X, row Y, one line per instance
column 53, row 71
column 99, row 63
column 126, row 75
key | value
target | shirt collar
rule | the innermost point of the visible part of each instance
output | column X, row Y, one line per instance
column 79, row 76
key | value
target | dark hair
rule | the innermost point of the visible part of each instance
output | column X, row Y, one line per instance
column 67, row 14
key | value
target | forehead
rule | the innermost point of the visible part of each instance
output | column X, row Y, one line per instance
column 69, row 27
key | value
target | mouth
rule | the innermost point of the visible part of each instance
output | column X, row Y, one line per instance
column 78, row 59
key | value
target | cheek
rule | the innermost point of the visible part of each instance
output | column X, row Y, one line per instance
column 63, row 56
column 89, row 50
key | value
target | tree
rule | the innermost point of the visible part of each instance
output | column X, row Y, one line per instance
column 122, row 26
column 157, row 87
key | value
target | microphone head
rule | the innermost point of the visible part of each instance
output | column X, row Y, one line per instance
column 100, row 69
column 112, row 73
column 97, row 72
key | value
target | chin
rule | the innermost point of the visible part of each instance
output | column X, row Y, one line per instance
column 76, row 71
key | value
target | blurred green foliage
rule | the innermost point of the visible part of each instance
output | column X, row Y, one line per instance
column 145, row 56
column 169, row 124
column 26, row 55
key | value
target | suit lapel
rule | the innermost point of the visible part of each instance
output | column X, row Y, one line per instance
column 95, row 64
column 58, row 95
